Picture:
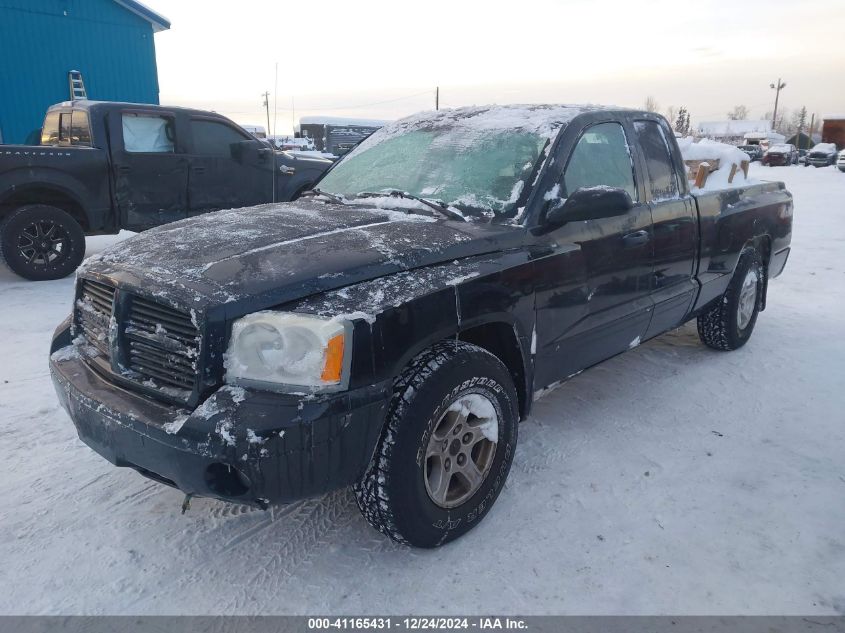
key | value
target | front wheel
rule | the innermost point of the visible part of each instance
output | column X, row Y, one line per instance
column 41, row 242
column 446, row 449
column 729, row 323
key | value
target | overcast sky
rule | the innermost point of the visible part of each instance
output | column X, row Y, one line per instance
column 382, row 59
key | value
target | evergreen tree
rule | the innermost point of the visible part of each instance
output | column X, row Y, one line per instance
column 682, row 123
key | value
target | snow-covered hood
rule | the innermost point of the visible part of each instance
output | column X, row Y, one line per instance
column 267, row 255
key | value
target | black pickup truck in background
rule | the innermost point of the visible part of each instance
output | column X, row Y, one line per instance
column 389, row 330
column 106, row 166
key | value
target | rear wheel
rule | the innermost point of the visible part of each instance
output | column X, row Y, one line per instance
column 40, row 242
column 446, row 449
column 729, row 323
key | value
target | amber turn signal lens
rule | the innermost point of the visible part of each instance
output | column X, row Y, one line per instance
column 334, row 360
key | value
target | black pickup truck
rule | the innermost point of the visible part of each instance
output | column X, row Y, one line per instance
column 106, row 166
column 389, row 330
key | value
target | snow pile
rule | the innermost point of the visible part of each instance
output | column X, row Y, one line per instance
column 727, row 155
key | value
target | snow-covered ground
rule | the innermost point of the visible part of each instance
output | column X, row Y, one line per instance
column 672, row 479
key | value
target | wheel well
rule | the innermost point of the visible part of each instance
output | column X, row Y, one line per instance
column 763, row 245
column 45, row 195
column 500, row 340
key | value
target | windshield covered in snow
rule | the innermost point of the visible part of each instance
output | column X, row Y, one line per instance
column 824, row 148
column 481, row 171
column 780, row 149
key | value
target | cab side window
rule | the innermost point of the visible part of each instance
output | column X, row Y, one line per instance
column 148, row 133
column 212, row 138
column 601, row 157
column 661, row 171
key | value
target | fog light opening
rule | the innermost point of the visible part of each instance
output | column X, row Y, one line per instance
column 226, row 480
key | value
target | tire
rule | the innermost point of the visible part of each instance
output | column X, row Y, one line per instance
column 57, row 255
column 729, row 323
column 437, row 390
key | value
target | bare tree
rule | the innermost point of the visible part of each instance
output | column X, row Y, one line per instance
column 782, row 124
column 739, row 113
column 671, row 113
column 651, row 105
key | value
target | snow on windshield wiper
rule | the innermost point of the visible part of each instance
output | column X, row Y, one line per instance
column 325, row 194
column 438, row 206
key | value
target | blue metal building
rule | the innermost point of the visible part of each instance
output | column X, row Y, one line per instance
column 109, row 41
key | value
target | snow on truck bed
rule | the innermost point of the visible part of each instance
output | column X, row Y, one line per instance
column 672, row 479
column 727, row 155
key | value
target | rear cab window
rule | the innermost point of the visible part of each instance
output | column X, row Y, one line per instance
column 663, row 178
column 69, row 127
column 148, row 133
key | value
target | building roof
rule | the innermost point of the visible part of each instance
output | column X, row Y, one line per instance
column 337, row 120
column 158, row 21
column 733, row 128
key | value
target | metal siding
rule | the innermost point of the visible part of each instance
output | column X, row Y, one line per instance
column 41, row 40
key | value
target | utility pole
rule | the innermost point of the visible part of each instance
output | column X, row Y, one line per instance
column 275, row 104
column 777, row 88
column 812, row 125
column 437, row 98
column 266, row 96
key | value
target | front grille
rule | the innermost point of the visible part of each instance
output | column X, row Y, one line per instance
column 94, row 314
column 162, row 345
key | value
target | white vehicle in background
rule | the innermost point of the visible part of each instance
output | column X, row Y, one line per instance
column 257, row 131
column 841, row 161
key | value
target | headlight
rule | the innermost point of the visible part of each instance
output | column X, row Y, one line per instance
column 287, row 349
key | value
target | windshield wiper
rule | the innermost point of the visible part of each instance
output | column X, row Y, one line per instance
column 440, row 207
column 319, row 192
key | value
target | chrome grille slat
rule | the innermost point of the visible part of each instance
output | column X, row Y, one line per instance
column 142, row 321
column 163, row 357
column 93, row 316
column 162, row 344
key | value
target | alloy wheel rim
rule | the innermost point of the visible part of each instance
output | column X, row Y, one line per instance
column 460, row 453
column 42, row 242
column 747, row 300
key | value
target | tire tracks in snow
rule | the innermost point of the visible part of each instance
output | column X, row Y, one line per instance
column 254, row 563
column 305, row 526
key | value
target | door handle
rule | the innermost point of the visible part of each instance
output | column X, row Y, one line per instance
column 637, row 238
column 287, row 171
column 199, row 170
column 123, row 169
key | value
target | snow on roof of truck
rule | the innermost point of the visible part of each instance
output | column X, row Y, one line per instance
column 541, row 119
column 544, row 120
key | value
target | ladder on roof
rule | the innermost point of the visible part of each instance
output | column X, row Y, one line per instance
column 77, row 86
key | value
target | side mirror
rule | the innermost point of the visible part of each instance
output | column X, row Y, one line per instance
column 249, row 150
column 591, row 203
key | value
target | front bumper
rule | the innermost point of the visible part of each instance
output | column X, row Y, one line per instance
column 776, row 160
column 250, row 446
column 819, row 162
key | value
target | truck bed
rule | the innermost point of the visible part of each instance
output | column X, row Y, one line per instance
column 726, row 218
